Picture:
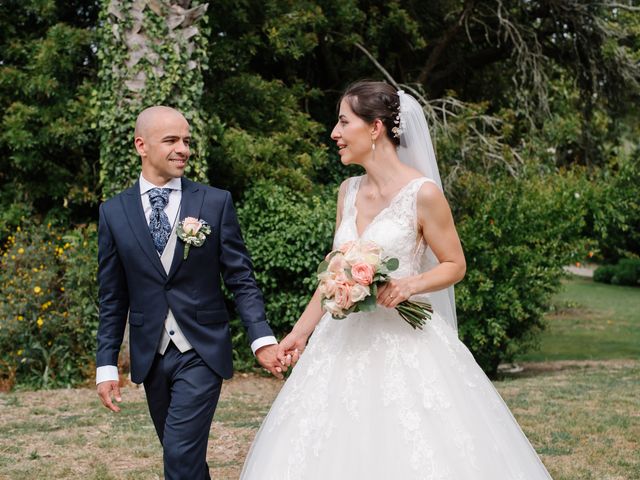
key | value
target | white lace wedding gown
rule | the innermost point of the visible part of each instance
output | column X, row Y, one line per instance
column 371, row 398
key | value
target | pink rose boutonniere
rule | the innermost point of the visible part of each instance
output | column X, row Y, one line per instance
column 192, row 231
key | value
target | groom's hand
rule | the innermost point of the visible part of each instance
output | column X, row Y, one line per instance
column 268, row 358
column 104, row 392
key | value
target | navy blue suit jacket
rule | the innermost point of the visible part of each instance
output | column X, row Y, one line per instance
column 132, row 281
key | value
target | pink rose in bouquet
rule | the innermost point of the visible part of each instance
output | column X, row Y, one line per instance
column 363, row 251
column 328, row 284
column 331, row 307
column 337, row 264
column 362, row 273
column 349, row 277
column 359, row 293
column 344, row 248
column 342, row 295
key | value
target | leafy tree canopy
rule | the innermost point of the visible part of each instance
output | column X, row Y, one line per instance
column 47, row 71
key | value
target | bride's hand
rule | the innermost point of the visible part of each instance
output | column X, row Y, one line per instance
column 290, row 348
column 395, row 291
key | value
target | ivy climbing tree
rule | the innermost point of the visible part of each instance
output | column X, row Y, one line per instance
column 151, row 52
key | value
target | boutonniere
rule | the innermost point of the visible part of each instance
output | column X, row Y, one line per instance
column 192, row 231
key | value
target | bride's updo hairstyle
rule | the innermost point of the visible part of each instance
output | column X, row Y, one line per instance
column 375, row 100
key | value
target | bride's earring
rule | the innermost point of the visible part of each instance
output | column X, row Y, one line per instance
column 373, row 149
column 373, row 146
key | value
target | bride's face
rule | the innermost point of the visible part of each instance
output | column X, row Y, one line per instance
column 353, row 136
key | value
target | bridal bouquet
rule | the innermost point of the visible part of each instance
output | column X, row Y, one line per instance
column 349, row 278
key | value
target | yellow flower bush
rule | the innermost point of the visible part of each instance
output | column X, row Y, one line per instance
column 48, row 305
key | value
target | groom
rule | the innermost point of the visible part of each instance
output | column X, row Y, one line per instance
column 179, row 327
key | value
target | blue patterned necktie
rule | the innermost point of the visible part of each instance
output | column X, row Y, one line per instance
column 159, row 225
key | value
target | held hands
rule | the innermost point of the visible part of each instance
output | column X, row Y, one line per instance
column 395, row 291
column 277, row 359
column 105, row 389
column 267, row 357
column 291, row 347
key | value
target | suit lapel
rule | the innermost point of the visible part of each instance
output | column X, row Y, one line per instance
column 137, row 222
column 192, row 197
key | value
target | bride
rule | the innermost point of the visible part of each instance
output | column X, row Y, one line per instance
column 371, row 398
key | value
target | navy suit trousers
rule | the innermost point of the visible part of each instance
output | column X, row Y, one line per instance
column 182, row 394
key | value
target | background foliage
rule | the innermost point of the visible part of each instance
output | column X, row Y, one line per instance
column 47, row 72
column 625, row 272
column 516, row 237
column 287, row 233
column 531, row 105
column 48, row 306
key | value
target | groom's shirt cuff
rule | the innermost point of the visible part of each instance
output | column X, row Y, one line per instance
column 110, row 372
column 106, row 373
column 261, row 342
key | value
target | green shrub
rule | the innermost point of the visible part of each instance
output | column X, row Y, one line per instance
column 287, row 234
column 613, row 215
column 625, row 272
column 604, row 273
column 30, row 304
column 47, row 283
column 12, row 211
column 81, row 298
column 517, row 235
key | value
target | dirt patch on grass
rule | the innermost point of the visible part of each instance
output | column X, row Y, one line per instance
column 558, row 365
column 529, row 369
column 69, row 434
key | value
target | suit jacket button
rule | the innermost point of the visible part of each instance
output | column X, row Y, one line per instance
column 171, row 332
column 167, row 287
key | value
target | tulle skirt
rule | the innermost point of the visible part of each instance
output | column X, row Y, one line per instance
column 371, row 398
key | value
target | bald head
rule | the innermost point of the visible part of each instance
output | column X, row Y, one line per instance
column 163, row 142
column 151, row 116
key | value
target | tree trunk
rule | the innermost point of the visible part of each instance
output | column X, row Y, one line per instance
column 151, row 53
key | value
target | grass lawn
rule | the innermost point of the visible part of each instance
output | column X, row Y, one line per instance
column 583, row 422
column 591, row 321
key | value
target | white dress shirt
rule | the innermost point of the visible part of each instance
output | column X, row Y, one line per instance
column 172, row 331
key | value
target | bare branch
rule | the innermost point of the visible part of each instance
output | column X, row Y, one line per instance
column 377, row 64
column 621, row 6
column 531, row 80
column 444, row 42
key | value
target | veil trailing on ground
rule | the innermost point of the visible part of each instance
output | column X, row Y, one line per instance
column 416, row 150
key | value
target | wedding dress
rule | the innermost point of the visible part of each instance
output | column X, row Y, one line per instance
column 371, row 398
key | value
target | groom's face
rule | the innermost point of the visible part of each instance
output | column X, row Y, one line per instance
column 164, row 147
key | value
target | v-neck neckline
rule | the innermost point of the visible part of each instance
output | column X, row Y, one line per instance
column 382, row 210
